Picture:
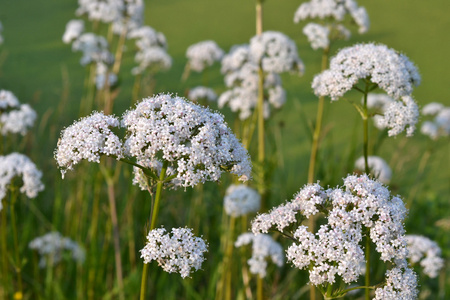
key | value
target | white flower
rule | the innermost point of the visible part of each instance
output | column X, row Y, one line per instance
column 201, row 92
column 19, row 165
column 196, row 142
column 203, row 54
column 130, row 17
column 317, row 35
column 88, row 138
column 179, row 252
column 241, row 76
column 94, row 48
column 275, row 52
column 400, row 115
column 8, row 100
column 427, row 252
column 440, row 125
column 336, row 249
column 51, row 246
column 100, row 10
column 74, row 29
column 18, row 120
column 152, row 59
column 240, row 200
column 147, row 37
column 263, row 247
column 401, row 283
column 391, row 71
column 378, row 167
column 432, row 108
column 336, row 9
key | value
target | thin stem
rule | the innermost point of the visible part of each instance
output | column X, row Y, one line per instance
column 261, row 143
column 366, row 131
column 259, row 288
column 259, row 17
column 154, row 218
column 116, row 237
column 18, row 262
column 367, row 279
column 315, row 148
column 5, row 276
column 227, row 258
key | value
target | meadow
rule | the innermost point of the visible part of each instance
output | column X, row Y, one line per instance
column 45, row 73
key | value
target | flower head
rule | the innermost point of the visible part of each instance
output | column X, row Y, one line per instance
column 195, row 142
column 263, row 247
column 74, row 29
column 389, row 70
column 88, row 138
column 336, row 248
column 401, row 283
column 241, row 200
column 275, row 52
column 334, row 9
column 427, row 252
column 440, row 125
column 94, row 48
column 203, row 55
column 18, row 165
column 177, row 252
column 51, row 246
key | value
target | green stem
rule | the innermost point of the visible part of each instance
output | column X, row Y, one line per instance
column 367, row 279
column 315, row 148
column 261, row 144
column 366, row 130
column 227, row 258
column 154, row 218
column 5, row 276
column 18, row 262
column 259, row 288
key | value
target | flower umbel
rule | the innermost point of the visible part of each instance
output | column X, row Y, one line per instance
column 178, row 252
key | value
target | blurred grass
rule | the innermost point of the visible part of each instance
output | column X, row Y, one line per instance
column 36, row 61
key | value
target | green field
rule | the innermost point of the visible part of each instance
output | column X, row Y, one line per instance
column 42, row 71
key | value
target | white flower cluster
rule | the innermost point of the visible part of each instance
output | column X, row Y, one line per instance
column 263, row 247
column 401, row 283
column 335, row 9
column 14, row 117
column 94, row 48
column 123, row 14
column 74, row 29
column 51, row 246
column 179, row 252
column 336, row 250
column 18, row 165
column 317, row 35
column 427, row 252
column 195, row 142
column 378, row 168
column 203, row 55
column 390, row 71
column 201, row 92
column 88, row 138
column 152, row 50
column 240, row 200
column 276, row 53
column 440, row 125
